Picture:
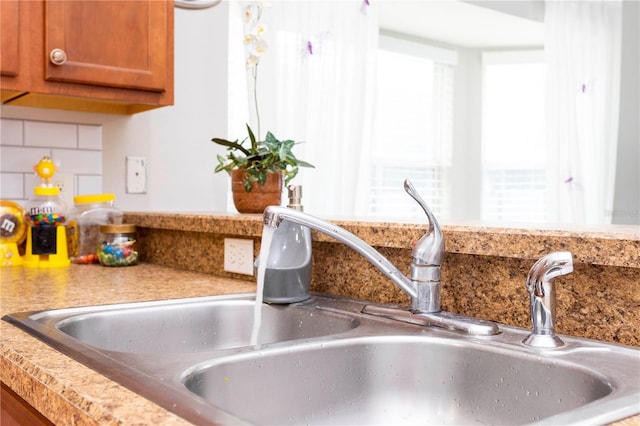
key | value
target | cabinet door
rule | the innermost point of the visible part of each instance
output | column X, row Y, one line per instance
column 15, row 411
column 14, row 77
column 9, row 38
column 107, row 43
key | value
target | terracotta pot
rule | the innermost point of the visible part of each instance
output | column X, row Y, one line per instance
column 261, row 196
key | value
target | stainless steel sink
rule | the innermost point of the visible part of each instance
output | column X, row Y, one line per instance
column 396, row 379
column 192, row 326
column 324, row 361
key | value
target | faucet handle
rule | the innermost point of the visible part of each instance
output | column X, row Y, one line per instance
column 429, row 250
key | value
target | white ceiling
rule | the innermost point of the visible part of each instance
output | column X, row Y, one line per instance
column 460, row 23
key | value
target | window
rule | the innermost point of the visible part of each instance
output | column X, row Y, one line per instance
column 413, row 128
column 513, row 139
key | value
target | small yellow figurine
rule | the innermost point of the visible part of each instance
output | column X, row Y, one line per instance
column 45, row 169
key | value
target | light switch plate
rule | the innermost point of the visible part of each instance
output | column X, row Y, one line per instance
column 238, row 255
column 136, row 175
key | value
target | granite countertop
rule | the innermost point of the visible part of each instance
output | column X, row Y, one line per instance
column 610, row 245
column 62, row 389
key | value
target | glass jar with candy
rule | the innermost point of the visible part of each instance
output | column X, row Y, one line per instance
column 83, row 228
column 45, row 208
column 117, row 246
column 46, row 214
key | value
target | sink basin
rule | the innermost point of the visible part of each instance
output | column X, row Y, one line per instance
column 391, row 380
column 194, row 326
column 326, row 361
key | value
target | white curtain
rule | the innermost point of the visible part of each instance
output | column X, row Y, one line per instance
column 316, row 85
column 582, row 50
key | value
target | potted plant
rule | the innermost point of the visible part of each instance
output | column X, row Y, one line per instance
column 257, row 170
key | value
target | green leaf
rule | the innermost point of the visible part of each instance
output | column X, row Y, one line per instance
column 254, row 144
column 302, row 163
column 231, row 145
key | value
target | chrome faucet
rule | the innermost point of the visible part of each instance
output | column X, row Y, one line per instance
column 424, row 285
column 543, row 298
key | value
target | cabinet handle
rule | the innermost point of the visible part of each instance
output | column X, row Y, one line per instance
column 58, row 57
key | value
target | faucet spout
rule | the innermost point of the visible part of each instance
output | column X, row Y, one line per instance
column 274, row 215
column 543, row 298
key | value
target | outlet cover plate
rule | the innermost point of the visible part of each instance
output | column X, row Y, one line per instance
column 136, row 175
column 238, row 255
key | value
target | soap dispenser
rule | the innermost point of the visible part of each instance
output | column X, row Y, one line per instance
column 288, row 270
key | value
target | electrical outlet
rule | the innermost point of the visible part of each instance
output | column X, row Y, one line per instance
column 136, row 175
column 238, row 256
column 64, row 181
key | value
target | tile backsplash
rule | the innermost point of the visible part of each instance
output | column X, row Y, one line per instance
column 76, row 149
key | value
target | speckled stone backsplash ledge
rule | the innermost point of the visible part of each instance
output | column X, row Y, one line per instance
column 484, row 273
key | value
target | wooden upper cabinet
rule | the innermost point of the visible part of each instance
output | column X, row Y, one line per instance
column 114, row 43
column 111, row 56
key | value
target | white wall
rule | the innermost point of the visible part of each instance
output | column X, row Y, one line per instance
column 176, row 140
column 467, row 162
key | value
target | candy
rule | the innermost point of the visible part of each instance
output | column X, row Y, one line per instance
column 117, row 254
column 87, row 259
column 45, row 219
